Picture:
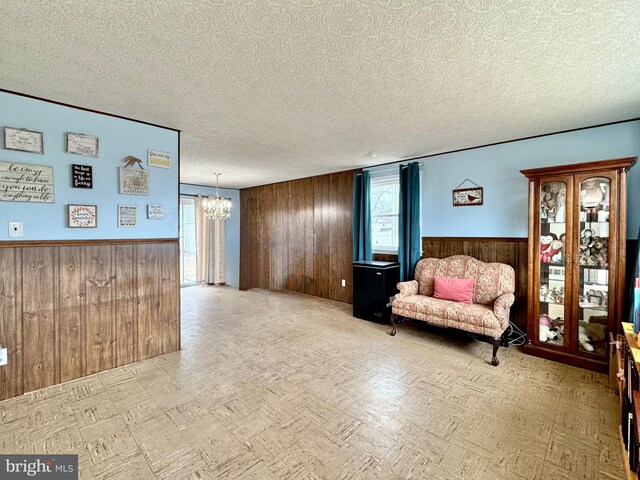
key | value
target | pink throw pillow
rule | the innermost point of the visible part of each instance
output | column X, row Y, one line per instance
column 456, row 289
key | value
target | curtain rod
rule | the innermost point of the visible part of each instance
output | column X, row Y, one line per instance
column 387, row 167
column 196, row 196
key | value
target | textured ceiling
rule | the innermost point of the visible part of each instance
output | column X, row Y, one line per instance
column 270, row 90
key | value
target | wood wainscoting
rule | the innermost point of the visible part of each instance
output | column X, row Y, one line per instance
column 71, row 309
column 297, row 236
column 512, row 251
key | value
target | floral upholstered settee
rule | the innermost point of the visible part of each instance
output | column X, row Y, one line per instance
column 492, row 296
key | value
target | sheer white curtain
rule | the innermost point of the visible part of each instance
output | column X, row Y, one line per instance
column 210, row 247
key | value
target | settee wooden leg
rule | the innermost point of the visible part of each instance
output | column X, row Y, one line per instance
column 496, row 343
column 393, row 324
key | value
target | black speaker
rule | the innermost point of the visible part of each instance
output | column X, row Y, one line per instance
column 373, row 285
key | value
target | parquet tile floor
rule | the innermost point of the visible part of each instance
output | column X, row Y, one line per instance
column 285, row 386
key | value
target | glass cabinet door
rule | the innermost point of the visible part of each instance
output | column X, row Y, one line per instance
column 553, row 274
column 593, row 265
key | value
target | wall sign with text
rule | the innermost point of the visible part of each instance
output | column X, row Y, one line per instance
column 127, row 216
column 468, row 197
column 81, row 144
column 134, row 181
column 158, row 159
column 81, row 176
column 23, row 140
column 155, row 212
column 82, row 216
column 21, row 182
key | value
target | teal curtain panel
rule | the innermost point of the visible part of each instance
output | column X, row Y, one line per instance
column 361, row 217
column 409, row 222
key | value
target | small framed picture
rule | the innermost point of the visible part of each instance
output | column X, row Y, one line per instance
column 467, row 197
column 158, row 159
column 80, row 144
column 134, row 182
column 82, row 216
column 127, row 216
column 81, row 176
column 23, row 140
column 155, row 212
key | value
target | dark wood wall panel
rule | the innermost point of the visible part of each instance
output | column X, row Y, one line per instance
column 321, row 238
column 126, row 305
column 512, row 251
column 71, row 300
column 297, row 236
column 11, row 321
column 99, row 334
column 301, row 236
column 280, row 236
column 385, row 257
column 148, row 273
column 38, row 324
column 248, row 239
column 68, row 311
column 341, row 236
column 170, row 295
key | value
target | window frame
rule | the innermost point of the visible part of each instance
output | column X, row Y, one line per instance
column 390, row 179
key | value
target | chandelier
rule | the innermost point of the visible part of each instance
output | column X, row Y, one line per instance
column 218, row 208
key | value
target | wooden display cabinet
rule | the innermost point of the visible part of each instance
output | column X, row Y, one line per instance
column 576, row 268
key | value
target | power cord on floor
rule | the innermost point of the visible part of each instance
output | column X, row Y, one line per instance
column 514, row 335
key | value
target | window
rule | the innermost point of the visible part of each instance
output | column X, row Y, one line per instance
column 384, row 197
column 187, row 241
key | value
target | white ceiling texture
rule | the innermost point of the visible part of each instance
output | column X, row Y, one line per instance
column 271, row 90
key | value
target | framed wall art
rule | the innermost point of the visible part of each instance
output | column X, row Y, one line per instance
column 82, row 216
column 468, row 197
column 80, row 144
column 23, row 182
column 134, row 182
column 81, row 176
column 127, row 216
column 23, row 140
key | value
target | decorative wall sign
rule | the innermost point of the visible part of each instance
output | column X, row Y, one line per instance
column 158, row 159
column 155, row 212
column 21, row 182
column 23, row 140
column 467, row 197
column 134, row 182
column 82, row 216
column 80, row 144
column 127, row 215
column 81, row 176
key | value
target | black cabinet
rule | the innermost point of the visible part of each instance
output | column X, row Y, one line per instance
column 374, row 283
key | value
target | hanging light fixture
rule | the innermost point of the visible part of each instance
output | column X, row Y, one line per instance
column 218, row 207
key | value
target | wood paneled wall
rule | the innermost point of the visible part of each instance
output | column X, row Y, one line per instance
column 77, row 308
column 297, row 236
column 385, row 257
column 512, row 251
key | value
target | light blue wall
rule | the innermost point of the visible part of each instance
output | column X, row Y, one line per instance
column 232, row 230
column 497, row 170
column 118, row 138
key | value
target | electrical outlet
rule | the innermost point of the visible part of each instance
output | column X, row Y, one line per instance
column 15, row 229
column 344, row 282
column 3, row 356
